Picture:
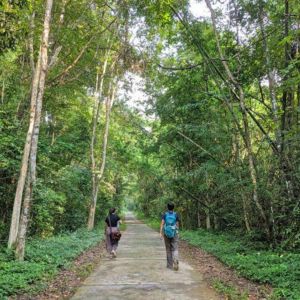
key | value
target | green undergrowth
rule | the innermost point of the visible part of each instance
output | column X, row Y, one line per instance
column 123, row 224
column 153, row 223
column 280, row 269
column 229, row 291
column 277, row 268
column 44, row 258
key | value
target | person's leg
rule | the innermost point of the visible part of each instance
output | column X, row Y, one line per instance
column 108, row 241
column 114, row 248
column 108, row 244
column 169, row 252
column 174, row 251
column 114, row 243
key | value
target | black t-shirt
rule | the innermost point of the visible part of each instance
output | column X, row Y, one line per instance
column 113, row 220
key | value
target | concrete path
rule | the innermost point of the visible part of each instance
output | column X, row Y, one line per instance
column 139, row 272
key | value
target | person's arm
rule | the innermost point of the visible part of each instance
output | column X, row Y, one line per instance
column 119, row 220
column 161, row 228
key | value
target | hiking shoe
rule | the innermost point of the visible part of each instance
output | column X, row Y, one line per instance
column 176, row 265
column 113, row 253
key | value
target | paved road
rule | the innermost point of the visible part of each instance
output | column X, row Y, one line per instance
column 139, row 272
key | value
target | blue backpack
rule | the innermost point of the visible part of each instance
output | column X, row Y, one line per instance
column 170, row 224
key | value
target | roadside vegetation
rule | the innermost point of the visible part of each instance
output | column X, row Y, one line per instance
column 277, row 267
column 44, row 259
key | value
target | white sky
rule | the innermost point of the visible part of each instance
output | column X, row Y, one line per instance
column 199, row 9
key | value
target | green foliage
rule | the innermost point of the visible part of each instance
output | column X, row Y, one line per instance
column 11, row 20
column 153, row 223
column 196, row 154
column 278, row 268
column 229, row 291
column 49, row 207
column 44, row 258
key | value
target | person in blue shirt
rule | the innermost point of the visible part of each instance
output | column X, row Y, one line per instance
column 169, row 232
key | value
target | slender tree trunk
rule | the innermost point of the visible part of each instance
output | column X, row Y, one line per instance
column 208, row 223
column 20, row 244
column 216, row 222
column 287, row 116
column 20, row 249
column 251, row 162
column 14, row 227
column 42, row 66
column 270, row 74
column 2, row 91
column 246, row 214
column 31, row 42
column 198, row 215
column 247, row 135
column 108, row 105
column 245, row 201
column 96, row 114
column 93, row 138
column 198, row 220
column 285, row 95
column 297, row 55
column 63, row 11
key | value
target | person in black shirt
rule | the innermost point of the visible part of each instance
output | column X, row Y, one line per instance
column 112, row 222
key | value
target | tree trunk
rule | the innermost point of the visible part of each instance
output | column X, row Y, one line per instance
column 245, row 201
column 108, row 105
column 14, row 227
column 198, row 219
column 96, row 113
column 208, row 225
column 20, row 244
column 270, row 75
column 2, row 92
column 42, row 66
column 247, row 136
column 198, row 215
column 92, row 211
column 31, row 42
column 251, row 162
column 285, row 96
column 216, row 222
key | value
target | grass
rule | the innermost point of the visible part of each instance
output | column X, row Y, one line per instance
column 278, row 268
column 44, row 259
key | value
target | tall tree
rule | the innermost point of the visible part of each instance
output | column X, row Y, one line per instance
column 99, row 172
column 30, row 148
